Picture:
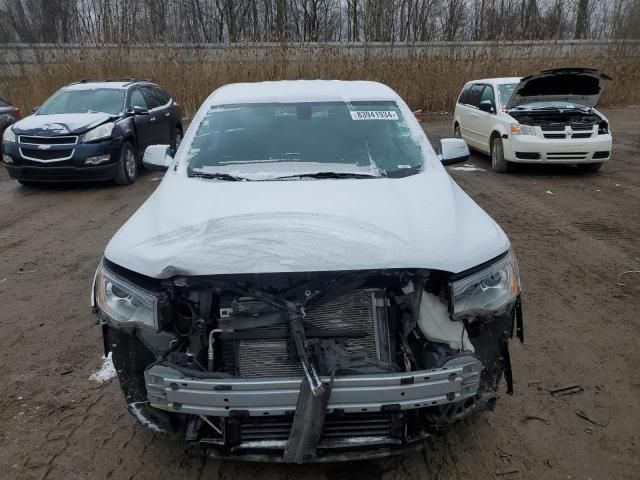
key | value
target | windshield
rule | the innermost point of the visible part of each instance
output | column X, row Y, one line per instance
column 504, row 93
column 270, row 141
column 105, row 100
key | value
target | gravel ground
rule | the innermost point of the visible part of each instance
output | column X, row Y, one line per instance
column 574, row 235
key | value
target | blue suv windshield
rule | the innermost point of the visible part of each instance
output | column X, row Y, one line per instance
column 104, row 100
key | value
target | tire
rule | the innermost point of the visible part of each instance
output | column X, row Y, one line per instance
column 177, row 138
column 456, row 131
column 498, row 163
column 127, row 165
column 589, row 167
column 26, row 183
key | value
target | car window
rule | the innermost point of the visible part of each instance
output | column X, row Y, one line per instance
column 137, row 100
column 163, row 95
column 153, row 100
column 505, row 91
column 107, row 100
column 367, row 136
column 487, row 94
column 464, row 95
column 475, row 93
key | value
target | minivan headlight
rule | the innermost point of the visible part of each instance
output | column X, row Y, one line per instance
column 124, row 303
column 486, row 291
column 9, row 135
column 517, row 129
column 99, row 133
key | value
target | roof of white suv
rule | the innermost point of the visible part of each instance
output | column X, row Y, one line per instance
column 302, row 90
column 497, row 80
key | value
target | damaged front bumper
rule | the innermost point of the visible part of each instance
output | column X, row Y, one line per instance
column 170, row 390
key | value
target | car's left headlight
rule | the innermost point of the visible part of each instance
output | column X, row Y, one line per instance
column 99, row 133
column 9, row 135
column 517, row 129
column 486, row 291
column 126, row 304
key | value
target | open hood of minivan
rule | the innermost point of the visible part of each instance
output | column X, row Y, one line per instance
column 581, row 86
column 60, row 124
column 192, row 226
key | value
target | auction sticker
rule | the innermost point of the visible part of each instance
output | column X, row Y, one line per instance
column 374, row 115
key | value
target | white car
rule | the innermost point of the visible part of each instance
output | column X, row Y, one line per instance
column 548, row 117
column 307, row 282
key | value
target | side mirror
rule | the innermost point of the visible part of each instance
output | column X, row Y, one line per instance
column 157, row 157
column 486, row 106
column 454, row 150
column 140, row 111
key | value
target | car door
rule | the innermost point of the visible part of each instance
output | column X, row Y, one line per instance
column 485, row 120
column 145, row 129
column 160, row 115
column 471, row 116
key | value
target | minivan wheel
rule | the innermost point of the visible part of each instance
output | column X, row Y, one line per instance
column 589, row 167
column 127, row 165
column 498, row 163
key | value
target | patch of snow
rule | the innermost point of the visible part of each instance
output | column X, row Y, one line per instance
column 136, row 411
column 264, row 444
column 468, row 168
column 549, row 192
column 106, row 372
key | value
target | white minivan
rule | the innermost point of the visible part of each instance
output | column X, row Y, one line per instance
column 307, row 282
column 548, row 117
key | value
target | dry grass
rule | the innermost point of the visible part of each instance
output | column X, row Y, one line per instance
column 427, row 82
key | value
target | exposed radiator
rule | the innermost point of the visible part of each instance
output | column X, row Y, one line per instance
column 337, row 428
column 267, row 353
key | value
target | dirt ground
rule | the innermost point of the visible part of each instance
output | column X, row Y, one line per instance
column 574, row 234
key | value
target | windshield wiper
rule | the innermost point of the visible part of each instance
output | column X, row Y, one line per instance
column 218, row 176
column 328, row 175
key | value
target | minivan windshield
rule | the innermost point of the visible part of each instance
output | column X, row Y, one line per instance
column 270, row 141
column 504, row 92
column 104, row 100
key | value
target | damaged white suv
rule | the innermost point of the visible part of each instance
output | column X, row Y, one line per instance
column 307, row 282
column 548, row 117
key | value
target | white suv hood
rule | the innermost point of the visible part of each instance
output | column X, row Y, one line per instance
column 582, row 86
column 202, row 227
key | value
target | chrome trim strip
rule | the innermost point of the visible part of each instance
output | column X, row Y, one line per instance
column 47, row 138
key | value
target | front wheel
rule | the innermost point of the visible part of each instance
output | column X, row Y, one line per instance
column 498, row 163
column 177, row 139
column 589, row 167
column 127, row 165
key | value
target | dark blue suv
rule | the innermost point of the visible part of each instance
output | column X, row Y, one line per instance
column 92, row 130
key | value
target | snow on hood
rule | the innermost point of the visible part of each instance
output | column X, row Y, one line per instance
column 192, row 226
column 582, row 86
column 60, row 124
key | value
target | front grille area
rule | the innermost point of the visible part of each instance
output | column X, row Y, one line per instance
column 46, row 155
column 554, row 135
column 353, row 428
column 359, row 316
column 32, row 140
column 581, row 135
column 566, row 155
column 528, row 155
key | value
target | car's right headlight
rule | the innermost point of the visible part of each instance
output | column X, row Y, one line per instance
column 125, row 304
column 488, row 291
column 9, row 135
